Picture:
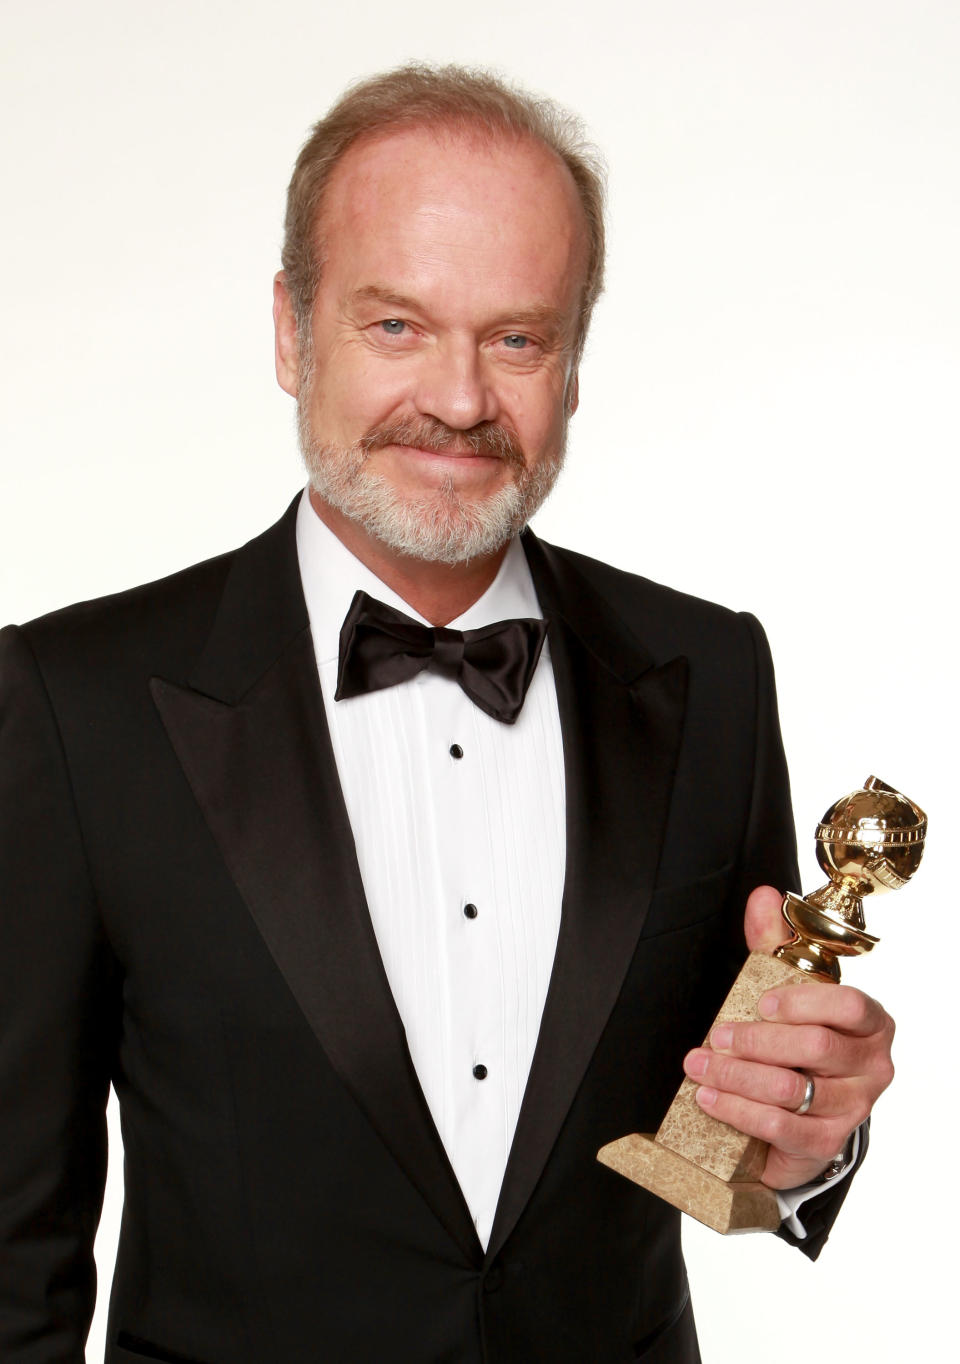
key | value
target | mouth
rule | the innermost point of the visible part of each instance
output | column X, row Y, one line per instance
column 451, row 457
column 448, row 452
column 451, row 467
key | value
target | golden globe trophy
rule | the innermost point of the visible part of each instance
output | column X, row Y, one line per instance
column 870, row 841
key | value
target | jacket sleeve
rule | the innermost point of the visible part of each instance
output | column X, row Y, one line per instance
column 56, row 1030
column 769, row 857
column 818, row 1213
column 768, row 853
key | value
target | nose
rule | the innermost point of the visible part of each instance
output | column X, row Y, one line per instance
column 454, row 386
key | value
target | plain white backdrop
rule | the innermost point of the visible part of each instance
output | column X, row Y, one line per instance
column 769, row 417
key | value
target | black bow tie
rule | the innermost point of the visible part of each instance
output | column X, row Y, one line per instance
column 380, row 647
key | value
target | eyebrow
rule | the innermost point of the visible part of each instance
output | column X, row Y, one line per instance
column 376, row 293
column 551, row 319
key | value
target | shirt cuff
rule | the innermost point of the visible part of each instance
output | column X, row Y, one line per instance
column 790, row 1201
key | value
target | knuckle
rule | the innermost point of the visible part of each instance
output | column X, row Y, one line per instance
column 886, row 1027
column 721, row 1072
column 853, row 1007
column 879, row 1069
column 829, row 1142
column 715, row 1072
column 789, row 1089
column 772, row 1127
column 855, row 1110
column 885, row 1073
column 859, row 1113
column 821, row 1043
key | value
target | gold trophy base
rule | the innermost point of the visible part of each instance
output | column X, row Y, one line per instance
column 701, row 1165
column 746, row 1205
column 868, row 841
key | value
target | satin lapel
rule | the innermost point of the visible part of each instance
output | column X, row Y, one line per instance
column 621, row 719
column 251, row 735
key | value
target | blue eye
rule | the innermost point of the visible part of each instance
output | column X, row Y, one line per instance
column 515, row 341
column 393, row 326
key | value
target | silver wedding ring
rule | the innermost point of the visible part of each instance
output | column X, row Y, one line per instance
column 808, row 1094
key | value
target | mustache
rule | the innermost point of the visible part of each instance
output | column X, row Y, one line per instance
column 428, row 433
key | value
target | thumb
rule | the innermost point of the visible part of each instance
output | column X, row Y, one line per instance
column 763, row 924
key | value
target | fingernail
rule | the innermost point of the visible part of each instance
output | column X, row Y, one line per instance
column 696, row 1064
column 706, row 1097
column 769, row 1005
column 721, row 1037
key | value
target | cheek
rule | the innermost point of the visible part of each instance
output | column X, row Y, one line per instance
column 540, row 421
column 355, row 392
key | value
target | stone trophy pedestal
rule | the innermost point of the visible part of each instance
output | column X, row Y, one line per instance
column 702, row 1166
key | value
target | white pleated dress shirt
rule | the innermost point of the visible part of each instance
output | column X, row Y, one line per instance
column 462, row 860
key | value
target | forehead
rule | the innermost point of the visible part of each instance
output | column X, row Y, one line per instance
column 420, row 206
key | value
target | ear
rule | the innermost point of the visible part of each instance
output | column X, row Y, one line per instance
column 573, row 393
column 286, row 351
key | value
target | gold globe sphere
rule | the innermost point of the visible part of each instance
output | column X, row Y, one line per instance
column 871, row 840
column 868, row 841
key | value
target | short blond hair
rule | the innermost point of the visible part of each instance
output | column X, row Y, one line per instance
column 456, row 97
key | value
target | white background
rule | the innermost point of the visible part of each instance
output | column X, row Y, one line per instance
column 768, row 418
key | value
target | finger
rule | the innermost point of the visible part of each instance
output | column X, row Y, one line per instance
column 772, row 1085
column 763, row 923
column 807, row 1137
column 833, row 1006
column 795, row 1046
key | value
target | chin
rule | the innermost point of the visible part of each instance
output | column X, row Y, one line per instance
column 440, row 526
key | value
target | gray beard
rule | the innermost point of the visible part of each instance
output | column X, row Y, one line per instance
column 440, row 526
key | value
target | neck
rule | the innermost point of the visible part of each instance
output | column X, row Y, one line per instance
column 438, row 592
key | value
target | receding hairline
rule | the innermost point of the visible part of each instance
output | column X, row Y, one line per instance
column 447, row 99
column 448, row 130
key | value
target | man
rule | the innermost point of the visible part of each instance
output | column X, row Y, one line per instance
column 380, row 931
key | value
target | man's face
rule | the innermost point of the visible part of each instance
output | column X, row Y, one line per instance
column 433, row 405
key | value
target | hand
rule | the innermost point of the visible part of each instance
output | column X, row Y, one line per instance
column 748, row 1074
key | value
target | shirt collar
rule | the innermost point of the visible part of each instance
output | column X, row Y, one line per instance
column 331, row 575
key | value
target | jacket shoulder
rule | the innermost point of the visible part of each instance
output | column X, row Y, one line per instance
column 161, row 626
column 173, row 614
column 666, row 621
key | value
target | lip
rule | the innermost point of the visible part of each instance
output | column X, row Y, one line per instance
column 453, row 456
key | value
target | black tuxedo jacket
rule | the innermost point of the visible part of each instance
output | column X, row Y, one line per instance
column 182, row 915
